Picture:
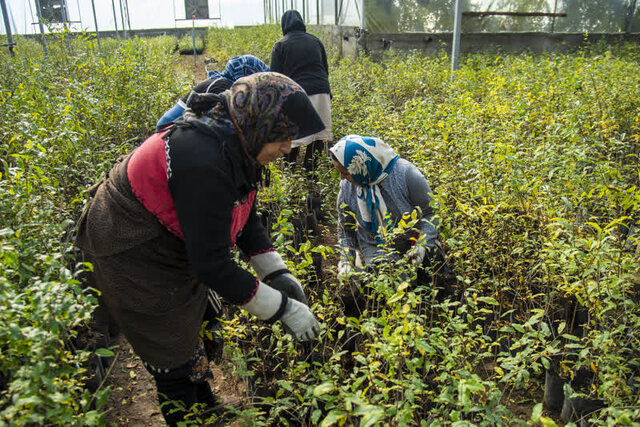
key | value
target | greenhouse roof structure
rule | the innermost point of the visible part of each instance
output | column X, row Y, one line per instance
column 376, row 16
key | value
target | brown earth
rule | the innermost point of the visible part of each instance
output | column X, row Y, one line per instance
column 133, row 400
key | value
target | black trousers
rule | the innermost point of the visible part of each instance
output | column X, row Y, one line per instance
column 179, row 385
column 187, row 384
column 311, row 156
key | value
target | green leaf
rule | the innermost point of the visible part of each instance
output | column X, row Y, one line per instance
column 488, row 300
column 324, row 388
column 547, row 422
column 371, row 414
column 536, row 413
column 333, row 417
column 104, row 352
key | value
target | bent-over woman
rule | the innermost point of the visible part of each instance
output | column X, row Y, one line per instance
column 377, row 187
column 161, row 225
column 216, row 82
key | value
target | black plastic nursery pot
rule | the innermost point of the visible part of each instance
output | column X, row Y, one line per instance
column 191, row 51
column 314, row 204
column 576, row 408
column 553, row 391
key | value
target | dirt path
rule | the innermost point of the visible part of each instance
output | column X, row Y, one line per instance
column 133, row 400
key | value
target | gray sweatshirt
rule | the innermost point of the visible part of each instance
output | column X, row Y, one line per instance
column 403, row 190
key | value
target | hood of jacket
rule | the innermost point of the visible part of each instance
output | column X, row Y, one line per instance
column 292, row 21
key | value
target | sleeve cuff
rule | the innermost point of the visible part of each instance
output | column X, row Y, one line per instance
column 267, row 263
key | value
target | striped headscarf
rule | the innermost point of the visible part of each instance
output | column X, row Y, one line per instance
column 240, row 66
column 369, row 161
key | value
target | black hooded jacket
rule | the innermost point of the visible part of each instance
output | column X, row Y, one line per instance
column 301, row 56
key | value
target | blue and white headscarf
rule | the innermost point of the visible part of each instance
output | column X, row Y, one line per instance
column 369, row 161
column 240, row 66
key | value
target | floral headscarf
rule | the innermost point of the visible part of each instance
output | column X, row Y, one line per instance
column 369, row 161
column 240, row 66
column 262, row 108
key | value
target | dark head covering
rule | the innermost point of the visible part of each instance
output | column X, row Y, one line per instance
column 240, row 66
column 292, row 21
column 263, row 108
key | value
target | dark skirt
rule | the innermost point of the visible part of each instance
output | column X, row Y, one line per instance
column 143, row 274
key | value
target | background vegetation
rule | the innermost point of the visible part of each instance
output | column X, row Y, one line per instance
column 534, row 160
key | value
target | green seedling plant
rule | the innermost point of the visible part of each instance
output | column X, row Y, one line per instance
column 534, row 163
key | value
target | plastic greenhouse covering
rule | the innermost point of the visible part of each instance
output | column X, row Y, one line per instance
column 560, row 16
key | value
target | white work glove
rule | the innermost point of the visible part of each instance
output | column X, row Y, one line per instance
column 267, row 263
column 344, row 268
column 270, row 305
column 416, row 254
column 299, row 321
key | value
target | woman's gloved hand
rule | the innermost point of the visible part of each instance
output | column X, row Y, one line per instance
column 416, row 254
column 271, row 269
column 299, row 321
column 271, row 305
column 344, row 268
column 288, row 284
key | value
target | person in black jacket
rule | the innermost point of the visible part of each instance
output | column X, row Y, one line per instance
column 302, row 57
column 159, row 229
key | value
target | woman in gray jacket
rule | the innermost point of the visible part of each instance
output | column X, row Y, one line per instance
column 376, row 189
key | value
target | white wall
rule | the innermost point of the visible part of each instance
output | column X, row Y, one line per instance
column 143, row 14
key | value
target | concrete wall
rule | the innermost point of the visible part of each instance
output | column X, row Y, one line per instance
column 375, row 44
column 351, row 41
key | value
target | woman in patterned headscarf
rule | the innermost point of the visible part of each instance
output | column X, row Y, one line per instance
column 216, row 83
column 376, row 189
column 159, row 229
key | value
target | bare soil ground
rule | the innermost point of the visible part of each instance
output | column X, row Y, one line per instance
column 133, row 400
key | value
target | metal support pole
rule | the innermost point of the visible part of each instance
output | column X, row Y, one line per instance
column 41, row 26
column 124, row 27
column 5, row 16
column 455, row 49
column 632, row 10
column 193, row 38
column 126, row 10
column 318, row 12
column 115, row 17
column 95, row 21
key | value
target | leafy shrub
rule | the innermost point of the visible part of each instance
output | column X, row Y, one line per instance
column 534, row 160
column 64, row 120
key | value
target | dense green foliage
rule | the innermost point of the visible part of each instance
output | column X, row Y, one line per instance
column 64, row 119
column 535, row 163
column 534, row 160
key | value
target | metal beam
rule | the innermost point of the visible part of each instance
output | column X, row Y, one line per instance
column 455, row 48
column 124, row 27
column 488, row 13
column 632, row 10
column 115, row 17
column 41, row 26
column 5, row 16
column 95, row 21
